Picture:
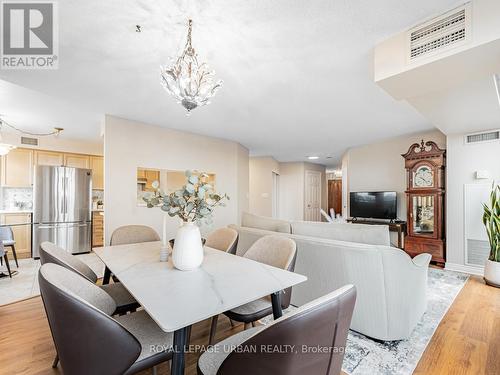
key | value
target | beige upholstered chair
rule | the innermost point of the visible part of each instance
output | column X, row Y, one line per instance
column 273, row 250
column 129, row 234
column 133, row 234
column 224, row 239
column 323, row 323
column 87, row 338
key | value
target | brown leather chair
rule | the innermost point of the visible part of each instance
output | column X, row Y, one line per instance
column 129, row 234
column 311, row 341
column 87, row 338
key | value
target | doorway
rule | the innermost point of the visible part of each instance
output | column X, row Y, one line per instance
column 335, row 196
column 313, row 196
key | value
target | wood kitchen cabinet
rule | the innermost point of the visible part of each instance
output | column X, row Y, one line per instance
column 49, row 158
column 76, row 161
column 97, row 166
column 22, row 233
column 97, row 229
column 17, row 168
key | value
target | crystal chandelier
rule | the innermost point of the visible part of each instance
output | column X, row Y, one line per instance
column 187, row 80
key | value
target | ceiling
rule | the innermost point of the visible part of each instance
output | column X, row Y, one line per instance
column 298, row 75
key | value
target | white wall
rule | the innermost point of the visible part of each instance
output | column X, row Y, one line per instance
column 462, row 162
column 292, row 189
column 129, row 144
column 291, row 205
column 380, row 166
column 261, row 185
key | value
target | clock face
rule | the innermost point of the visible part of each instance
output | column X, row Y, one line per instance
column 423, row 177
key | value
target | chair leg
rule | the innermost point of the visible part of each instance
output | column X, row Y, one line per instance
column 56, row 361
column 7, row 264
column 232, row 323
column 13, row 247
column 213, row 329
column 253, row 324
column 107, row 276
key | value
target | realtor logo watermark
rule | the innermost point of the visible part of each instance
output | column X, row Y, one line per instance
column 29, row 35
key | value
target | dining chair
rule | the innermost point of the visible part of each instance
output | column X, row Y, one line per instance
column 129, row 234
column 7, row 238
column 311, row 340
column 87, row 339
column 224, row 239
column 4, row 257
column 273, row 250
column 51, row 253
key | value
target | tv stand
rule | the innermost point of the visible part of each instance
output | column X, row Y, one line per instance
column 397, row 226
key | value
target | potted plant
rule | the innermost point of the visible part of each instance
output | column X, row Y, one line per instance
column 491, row 220
column 194, row 204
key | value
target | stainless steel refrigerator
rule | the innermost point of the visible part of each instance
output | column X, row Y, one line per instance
column 62, row 208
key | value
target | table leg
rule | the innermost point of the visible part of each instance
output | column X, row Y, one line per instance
column 276, row 300
column 179, row 347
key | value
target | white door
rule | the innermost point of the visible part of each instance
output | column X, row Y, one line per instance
column 276, row 191
column 313, row 196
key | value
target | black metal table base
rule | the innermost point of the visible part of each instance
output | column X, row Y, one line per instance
column 276, row 301
column 179, row 347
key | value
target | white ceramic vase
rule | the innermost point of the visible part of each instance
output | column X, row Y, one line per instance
column 187, row 254
column 492, row 273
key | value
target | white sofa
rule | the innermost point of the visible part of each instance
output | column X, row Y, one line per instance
column 391, row 286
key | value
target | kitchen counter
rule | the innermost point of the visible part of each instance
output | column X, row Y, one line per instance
column 16, row 211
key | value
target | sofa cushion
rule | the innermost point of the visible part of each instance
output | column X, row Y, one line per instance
column 360, row 233
column 265, row 223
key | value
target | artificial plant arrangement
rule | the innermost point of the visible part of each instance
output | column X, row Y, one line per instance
column 194, row 202
column 491, row 220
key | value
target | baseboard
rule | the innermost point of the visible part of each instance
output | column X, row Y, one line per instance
column 473, row 270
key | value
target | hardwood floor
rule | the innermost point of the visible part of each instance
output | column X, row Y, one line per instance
column 466, row 342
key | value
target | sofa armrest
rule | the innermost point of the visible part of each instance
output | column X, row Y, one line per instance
column 422, row 260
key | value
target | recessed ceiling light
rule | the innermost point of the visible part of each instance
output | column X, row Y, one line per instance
column 313, row 157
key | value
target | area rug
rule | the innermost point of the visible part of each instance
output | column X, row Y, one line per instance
column 365, row 356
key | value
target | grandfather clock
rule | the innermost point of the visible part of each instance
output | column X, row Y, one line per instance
column 425, row 166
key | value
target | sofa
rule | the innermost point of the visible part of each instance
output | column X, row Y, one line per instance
column 391, row 286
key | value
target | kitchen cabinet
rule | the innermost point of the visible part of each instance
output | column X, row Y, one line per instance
column 76, row 161
column 97, row 228
column 49, row 158
column 22, row 233
column 17, row 168
column 97, row 166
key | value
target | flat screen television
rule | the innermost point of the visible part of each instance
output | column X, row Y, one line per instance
column 373, row 205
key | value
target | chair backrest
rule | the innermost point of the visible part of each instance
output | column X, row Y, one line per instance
column 51, row 253
column 6, row 234
column 88, row 341
column 223, row 239
column 129, row 234
column 276, row 251
column 321, row 324
column 2, row 249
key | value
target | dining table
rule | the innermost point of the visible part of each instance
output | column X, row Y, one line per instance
column 177, row 299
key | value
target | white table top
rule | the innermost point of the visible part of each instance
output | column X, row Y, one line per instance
column 177, row 299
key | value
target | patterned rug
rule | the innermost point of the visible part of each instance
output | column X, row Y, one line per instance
column 365, row 356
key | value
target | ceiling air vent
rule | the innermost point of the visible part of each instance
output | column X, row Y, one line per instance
column 490, row 136
column 29, row 141
column 440, row 33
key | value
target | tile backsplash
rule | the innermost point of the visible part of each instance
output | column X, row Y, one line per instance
column 17, row 198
